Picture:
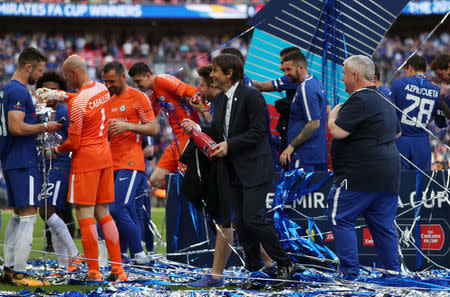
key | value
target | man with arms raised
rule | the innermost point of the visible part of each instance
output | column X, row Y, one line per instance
column 172, row 96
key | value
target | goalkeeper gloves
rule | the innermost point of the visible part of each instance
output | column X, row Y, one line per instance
column 44, row 94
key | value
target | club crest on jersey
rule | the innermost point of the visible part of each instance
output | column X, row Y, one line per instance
column 122, row 108
column 163, row 98
column 18, row 105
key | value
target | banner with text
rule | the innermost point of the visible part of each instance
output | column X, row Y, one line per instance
column 126, row 11
column 427, row 229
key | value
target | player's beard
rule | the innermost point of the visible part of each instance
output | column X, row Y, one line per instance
column 292, row 79
column 115, row 90
column 32, row 76
column 31, row 79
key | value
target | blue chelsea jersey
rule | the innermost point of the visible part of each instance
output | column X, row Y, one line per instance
column 309, row 103
column 418, row 99
column 440, row 118
column 384, row 91
column 61, row 111
column 16, row 151
column 284, row 84
column 248, row 81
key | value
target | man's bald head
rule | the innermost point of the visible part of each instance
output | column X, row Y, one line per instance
column 75, row 61
column 75, row 71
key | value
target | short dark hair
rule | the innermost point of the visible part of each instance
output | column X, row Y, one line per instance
column 233, row 51
column 377, row 72
column 228, row 62
column 296, row 57
column 139, row 68
column 114, row 65
column 52, row 76
column 417, row 62
column 288, row 50
column 205, row 71
column 441, row 61
column 30, row 55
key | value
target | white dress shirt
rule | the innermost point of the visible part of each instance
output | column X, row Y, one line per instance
column 230, row 95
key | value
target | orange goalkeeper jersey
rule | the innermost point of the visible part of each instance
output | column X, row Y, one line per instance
column 172, row 95
column 89, row 117
column 134, row 107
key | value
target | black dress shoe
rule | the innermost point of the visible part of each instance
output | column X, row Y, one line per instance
column 256, row 280
column 284, row 274
column 252, row 285
column 271, row 271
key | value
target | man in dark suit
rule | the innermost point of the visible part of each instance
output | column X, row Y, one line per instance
column 239, row 128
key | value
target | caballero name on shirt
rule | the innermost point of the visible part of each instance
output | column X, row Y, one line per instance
column 99, row 101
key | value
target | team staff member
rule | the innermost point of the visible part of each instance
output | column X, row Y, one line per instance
column 222, row 249
column 366, row 166
column 239, row 128
column 418, row 101
column 91, row 186
column 172, row 96
column 20, row 163
column 131, row 117
column 306, row 135
column 274, row 141
column 63, row 244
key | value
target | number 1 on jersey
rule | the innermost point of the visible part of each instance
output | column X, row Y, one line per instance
column 102, row 126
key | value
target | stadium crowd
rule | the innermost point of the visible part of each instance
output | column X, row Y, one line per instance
column 394, row 50
column 167, row 55
column 188, row 51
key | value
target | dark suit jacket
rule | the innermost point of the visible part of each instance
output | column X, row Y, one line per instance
column 248, row 147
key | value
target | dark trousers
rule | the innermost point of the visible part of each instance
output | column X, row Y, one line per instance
column 251, row 227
